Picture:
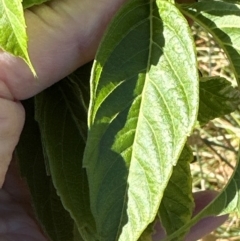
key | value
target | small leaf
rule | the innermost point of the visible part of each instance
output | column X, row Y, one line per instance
column 55, row 220
column 30, row 3
column 217, row 98
column 178, row 204
column 57, row 110
column 13, row 37
column 221, row 19
column 144, row 102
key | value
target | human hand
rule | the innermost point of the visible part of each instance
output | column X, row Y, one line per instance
column 63, row 35
column 17, row 222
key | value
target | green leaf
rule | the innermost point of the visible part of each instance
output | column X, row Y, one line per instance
column 171, row 1
column 217, row 98
column 221, row 19
column 64, row 145
column 54, row 219
column 77, row 236
column 148, row 232
column 177, row 205
column 13, row 37
column 30, row 3
column 144, row 102
column 77, row 92
column 228, row 1
column 226, row 202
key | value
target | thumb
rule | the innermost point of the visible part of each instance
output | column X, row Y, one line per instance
column 63, row 35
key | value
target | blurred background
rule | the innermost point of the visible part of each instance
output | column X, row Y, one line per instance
column 216, row 144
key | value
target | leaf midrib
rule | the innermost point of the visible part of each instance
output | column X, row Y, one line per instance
column 141, row 106
column 6, row 10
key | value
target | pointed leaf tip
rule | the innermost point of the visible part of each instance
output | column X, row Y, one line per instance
column 13, row 37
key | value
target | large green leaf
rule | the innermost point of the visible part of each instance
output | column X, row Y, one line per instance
column 222, row 20
column 30, row 3
column 177, row 205
column 55, row 220
column 144, row 102
column 13, row 37
column 57, row 110
column 217, row 98
column 227, row 201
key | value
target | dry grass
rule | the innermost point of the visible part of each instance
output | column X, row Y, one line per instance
column 216, row 144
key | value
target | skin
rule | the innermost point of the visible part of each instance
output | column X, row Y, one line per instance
column 17, row 221
column 203, row 227
column 64, row 23
column 63, row 35
column 76, row 45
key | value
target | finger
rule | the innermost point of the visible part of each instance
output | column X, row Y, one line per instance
column 15, row 186
column 204, row 226
column 16, row 220
column 11, row 123
column 63, row 35
column 208, row 224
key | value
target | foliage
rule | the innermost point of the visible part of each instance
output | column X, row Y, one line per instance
column 112, row 173
column 31, row 3
column 134, row 115
column 13, row 38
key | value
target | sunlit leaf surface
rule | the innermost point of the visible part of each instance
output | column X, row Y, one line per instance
column 13, row 37
column 144, row 101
